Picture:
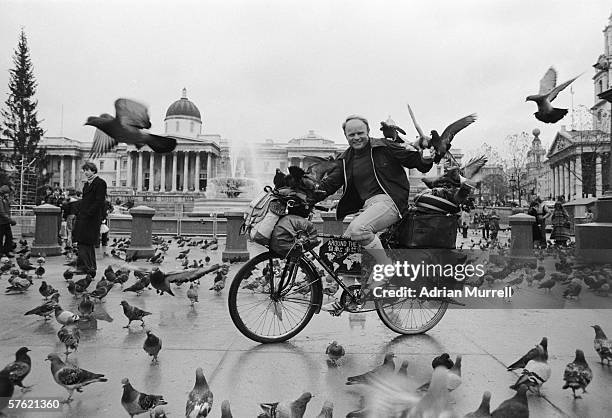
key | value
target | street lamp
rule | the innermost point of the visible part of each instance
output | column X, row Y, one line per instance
column 512, row 186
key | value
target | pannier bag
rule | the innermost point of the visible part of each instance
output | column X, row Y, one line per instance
column 264, row 211
column 438, row 199
column 428, row 230
column 288, row 230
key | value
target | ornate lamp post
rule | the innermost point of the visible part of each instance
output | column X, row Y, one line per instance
column 512, row 186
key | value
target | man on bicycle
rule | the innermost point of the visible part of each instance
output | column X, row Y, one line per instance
column 372, row 173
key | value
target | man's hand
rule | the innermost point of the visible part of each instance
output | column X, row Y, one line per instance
column 319, row 195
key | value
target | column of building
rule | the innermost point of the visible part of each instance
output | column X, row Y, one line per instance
column 162, row 180
column 196, row 185
column 186, row 172
column 578, row 173
column 598, row 177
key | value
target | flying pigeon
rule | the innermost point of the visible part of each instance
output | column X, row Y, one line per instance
column 548, row 92
column 602, row 344
column 327, row 410
column 160, row 282
column 71, row 377
column 435, row 403
column 322, row 166
column 530, row 355
column 442, row 143
column 136, row 402
column 131, row 118
column 391, row 131
column 200, row 400
column 19, row 369
column 577, row 374
column 388, row 366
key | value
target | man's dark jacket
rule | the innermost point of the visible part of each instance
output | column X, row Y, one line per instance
column 389, row 161
column 89, row 217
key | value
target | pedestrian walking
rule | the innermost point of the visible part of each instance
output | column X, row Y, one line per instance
column 543, row 213
column 89, row 218
column 6, row 233
column 536, row 230
column 484, row 219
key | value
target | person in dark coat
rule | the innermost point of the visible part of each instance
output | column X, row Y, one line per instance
column 6, row 234
column 87, row 224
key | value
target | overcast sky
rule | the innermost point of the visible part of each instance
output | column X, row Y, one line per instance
column 276, row 69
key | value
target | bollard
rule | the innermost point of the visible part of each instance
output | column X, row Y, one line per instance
column 140, row 241
column 46, row 231
column 521, row 231
column 235, row 244
column 331, row 225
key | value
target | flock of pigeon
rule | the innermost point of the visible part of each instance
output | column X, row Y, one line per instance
column 67, row 373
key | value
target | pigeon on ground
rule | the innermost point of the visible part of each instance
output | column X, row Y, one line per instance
column 158, row 412
column 577, row 374
column 388, row 366
column 289, row 409
column 138, row 287
column 530, row 355
column 152, row 346
column 219, row 282
column 484, row 410
column 334, row 353
column 192, row 294
column 536, row 372
column 547, row 285
column 515, row 407
column 65, row 317
column 133, row 313
column 226, row 412
column 86, row 306
column 602, row 344
column 46, row 309
column 19, row 285
column 454, row 377
column 19, row 369
column 136, row 402
column 101, row 292
column 200, row 400
column 24, row 264
column 46, row 290
column 391, row 131
column 548, row 92
column 70, row 336
column 130, row 118
column 71, row 377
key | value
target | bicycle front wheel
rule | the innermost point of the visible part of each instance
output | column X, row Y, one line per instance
column 411, row 316
column 270, row 317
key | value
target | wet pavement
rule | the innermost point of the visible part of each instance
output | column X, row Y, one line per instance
column 247, row 373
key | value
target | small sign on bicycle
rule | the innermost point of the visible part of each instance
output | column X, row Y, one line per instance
column 342, row 255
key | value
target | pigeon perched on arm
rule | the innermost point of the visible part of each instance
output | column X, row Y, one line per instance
column 391, row 131
column 135, row 402
column 130, row 118
column 19, row 369
column 602, row 344
column 200, row 400
column 442, row 143
column 530, row 355
column 152, row 346
column 577, row 374
column 548, row 92
column 71, row 377
column 133, row 313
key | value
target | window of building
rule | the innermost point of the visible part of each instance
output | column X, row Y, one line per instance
column 191, row 127
column 124, row 164
column 123, row 183
column 115, row 165
column 601, row 88
column 101, row 165
column 177, row 125
column 114, row 183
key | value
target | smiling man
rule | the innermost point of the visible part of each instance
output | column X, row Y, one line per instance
column 372, row 173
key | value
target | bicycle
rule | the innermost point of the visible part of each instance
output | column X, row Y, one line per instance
column 272, row 298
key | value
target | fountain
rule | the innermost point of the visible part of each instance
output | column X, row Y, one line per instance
column 235, row 191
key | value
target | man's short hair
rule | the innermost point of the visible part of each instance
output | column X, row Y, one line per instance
column 351, row 117
column 89, row 166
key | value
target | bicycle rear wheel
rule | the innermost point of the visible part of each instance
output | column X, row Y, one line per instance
column 411, row 316
column 264, row 317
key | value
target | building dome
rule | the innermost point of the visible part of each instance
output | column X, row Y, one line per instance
column 183, row 108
